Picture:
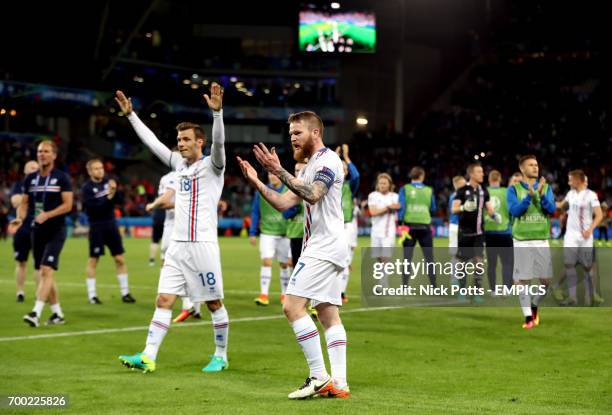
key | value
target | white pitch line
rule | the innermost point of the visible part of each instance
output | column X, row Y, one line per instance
column 136, row 287
column 202, row 323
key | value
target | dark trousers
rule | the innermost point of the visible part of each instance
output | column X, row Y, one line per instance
column 422, row 235
column 296, row 249
column 603, row 230
column 499, row 246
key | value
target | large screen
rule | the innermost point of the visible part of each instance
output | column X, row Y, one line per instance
column 337, row 31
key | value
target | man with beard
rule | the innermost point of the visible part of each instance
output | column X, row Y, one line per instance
column 318, row 274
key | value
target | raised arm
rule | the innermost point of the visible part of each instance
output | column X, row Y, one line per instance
column 515, row 206
column 145, row 134
column 217, row 150
column 311, row 193
column 279, row 201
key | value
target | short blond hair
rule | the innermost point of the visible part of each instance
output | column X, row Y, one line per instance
column 307, row 117
column 92, row 161
column 49, row 143
column 456, row 181
column 495, row 176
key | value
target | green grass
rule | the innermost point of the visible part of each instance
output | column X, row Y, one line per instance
column 412, row 360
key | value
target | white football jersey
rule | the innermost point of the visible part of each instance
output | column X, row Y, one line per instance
column 324, row 236
column 383, row 226
column 168, row 181
column 580, row 213
column 198, row 191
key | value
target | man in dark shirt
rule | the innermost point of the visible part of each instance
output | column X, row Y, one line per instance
column 98, row 195
column 47, row 197
column 470, row 203
column 21, row 238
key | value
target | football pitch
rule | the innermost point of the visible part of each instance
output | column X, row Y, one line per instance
column 467, row 360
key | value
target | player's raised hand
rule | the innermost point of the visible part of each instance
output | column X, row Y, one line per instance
column 345, row 153
column 339, row 151
column 268, row 159
column 215, row 100
column 124, row 102
column 541, row 184
column 247, row 170
column 531, row 190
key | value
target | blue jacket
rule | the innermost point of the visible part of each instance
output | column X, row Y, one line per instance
column 517, row 208
column 353, row 178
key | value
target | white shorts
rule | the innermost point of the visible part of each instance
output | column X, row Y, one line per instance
column 453, row 238
column 275, row 246
column 382, row 247
column 351, row 233
column 192, row 269
column 165, row 242
column 317, row 280
column 532, row 259
column 576, row 249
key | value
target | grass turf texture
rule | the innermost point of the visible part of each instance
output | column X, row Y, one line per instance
column 413, row 360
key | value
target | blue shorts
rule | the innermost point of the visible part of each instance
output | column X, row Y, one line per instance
column 47, row 245
column 101, row 234
column 22, row 243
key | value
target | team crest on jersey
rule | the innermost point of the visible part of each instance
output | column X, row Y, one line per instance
column 53, row 181
column 413, row 193
column 95, row 189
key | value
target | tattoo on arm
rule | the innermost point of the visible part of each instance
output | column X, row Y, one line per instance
column 311, row 193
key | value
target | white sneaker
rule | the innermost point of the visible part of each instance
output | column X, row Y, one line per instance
column 32, row 319
column 311, row 387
